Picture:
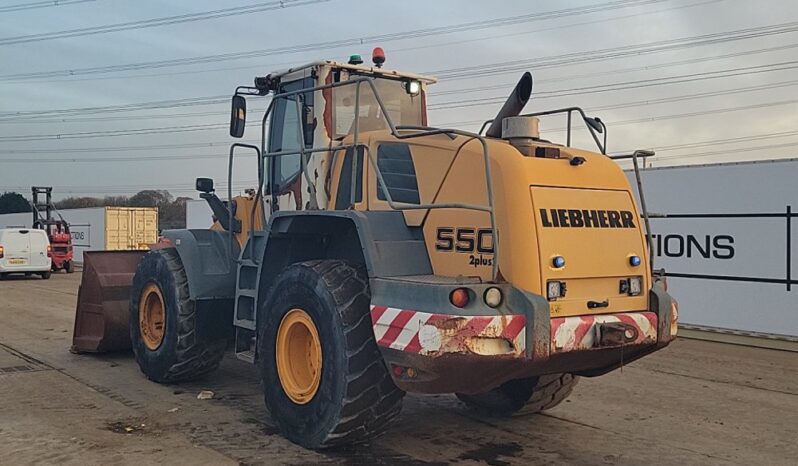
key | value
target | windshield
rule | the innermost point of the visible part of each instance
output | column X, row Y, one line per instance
column 402, row 108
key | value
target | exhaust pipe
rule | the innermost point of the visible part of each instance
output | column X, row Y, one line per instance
column 515, row 103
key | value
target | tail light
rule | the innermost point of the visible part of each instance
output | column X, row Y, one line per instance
column 459, row 297
column 2, row 252
column 49, row 251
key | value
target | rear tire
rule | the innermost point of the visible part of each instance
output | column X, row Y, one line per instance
column 169, row 352
column 354, row 398
column 45, row 275
column 522, row 396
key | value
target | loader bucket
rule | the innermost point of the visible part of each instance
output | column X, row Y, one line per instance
column 102, row 314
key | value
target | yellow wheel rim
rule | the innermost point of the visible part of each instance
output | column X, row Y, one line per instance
column 152, row 316
column 298, row 356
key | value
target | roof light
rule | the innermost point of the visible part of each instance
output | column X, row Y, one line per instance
column 634, row 261
column 378, row 56
column 558, row 262
column 355, row 59
column 413, row 87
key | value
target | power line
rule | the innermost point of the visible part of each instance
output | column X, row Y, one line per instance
column 643, row 83
column 155, row 22
column 617, row 52
column 542, row 62
column 43, row 4
column 195, row 145
column 224, row 155
column 209, row 100
column 153, row 116
column 729, row 151
column 677, row 98
column 671, row 99
column 427, row 46
column 121, row 132
column 192, row 128
column 171, row 103
column 412, row 34
column 435, row 94
column 615, row 71
column 716, row 142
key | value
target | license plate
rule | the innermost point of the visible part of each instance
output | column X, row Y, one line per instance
column 17, row 261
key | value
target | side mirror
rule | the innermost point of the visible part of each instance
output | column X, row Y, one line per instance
column 205, row 185
column 595, row 124
column 238, row 116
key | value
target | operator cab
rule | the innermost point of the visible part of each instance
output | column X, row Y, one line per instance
column 313, row 123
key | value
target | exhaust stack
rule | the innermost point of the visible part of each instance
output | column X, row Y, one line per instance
column 515, row 103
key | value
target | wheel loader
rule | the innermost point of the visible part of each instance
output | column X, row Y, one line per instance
column 379, row 255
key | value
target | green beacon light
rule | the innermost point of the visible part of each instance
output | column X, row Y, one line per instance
column 355, row 59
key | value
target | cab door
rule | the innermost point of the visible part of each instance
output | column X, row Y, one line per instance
column 291, row 121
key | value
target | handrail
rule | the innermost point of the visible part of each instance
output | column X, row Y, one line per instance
column 303, row 152
column 567, row 110
column 230, row 189
column 635, row 155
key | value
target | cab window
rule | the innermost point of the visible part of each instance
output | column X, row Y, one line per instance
column 289, row 123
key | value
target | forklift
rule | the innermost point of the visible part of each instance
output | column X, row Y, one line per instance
column 57, row 229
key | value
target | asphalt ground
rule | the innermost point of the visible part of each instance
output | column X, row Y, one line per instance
column 694, row 403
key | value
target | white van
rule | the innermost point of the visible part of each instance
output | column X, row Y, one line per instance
column 24, row 251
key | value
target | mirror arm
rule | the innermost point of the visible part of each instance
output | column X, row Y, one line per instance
column 221, row 212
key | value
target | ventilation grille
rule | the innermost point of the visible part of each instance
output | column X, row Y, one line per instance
column 396, row 166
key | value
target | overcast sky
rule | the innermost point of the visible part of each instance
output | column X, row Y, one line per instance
column 733, row 98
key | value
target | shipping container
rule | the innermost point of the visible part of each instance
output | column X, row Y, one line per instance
column 101, row 228
column 130, row 227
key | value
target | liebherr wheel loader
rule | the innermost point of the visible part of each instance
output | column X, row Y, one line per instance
column 379, row 256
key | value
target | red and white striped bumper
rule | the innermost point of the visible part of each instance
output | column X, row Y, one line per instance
column 427, row 333
column 435, row 334
column 582, row 332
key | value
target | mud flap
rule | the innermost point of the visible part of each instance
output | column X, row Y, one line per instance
column 102, row 314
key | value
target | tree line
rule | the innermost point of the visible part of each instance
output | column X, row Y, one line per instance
column 171, row 210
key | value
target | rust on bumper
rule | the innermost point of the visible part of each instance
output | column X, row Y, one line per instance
column 475, row 353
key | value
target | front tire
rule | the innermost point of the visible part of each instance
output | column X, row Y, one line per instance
column 163, row 323
column 527, row 396
column 324, row 379
column 69, row 267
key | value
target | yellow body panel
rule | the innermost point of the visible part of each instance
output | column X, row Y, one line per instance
column 244, row 213
column 596, row 258
column 459, row 241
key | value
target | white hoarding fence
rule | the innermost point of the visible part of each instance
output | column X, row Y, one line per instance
column 726, row 235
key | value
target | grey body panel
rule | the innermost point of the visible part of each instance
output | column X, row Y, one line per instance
column 388, row 247
column 380, row 242
column 206, row 258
